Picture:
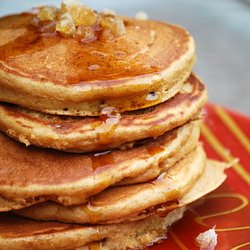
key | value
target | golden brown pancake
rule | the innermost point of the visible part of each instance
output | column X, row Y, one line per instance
column 7, row 205
column 17, row 233
column 95, row 133
column 61, row 75
column 29, row 175
column 118, row 203
column 188, row 146
column 211, row 179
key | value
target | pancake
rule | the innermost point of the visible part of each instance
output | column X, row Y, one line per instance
column 55, row 74
column 118, row 203
column 211, row 179
column 29, row 175
column 7, row 205
column 17, row 233
column 94, row 134
column 155, row 170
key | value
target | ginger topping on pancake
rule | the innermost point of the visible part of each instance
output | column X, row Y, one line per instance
column 79, row 21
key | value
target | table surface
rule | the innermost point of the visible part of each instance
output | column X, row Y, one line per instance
column 221, row 30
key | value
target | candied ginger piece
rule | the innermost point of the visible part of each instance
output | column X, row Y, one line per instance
column 47, row 13
column 81, row 14
column 79, row 21
column 65, row 25
column 114, row 23
column 207, row 240
column 85, row 33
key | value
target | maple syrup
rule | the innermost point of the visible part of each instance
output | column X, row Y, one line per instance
column 110, row 120
column 153, row 150
column 100, row 160
column 110, row 56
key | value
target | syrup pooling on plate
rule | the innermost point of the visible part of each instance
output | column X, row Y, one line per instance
column 78, row 21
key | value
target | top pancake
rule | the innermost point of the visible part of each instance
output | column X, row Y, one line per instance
column 63, row 76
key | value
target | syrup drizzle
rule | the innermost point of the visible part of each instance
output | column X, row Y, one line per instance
column 100, row 160
column 114, row 60
column 110, row 119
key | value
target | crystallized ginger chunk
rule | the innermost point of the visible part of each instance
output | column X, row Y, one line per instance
column 76, row 20
column 114, row 23
column 47, row 13
column 81, row 14
column 65, row 25
column 85, row 34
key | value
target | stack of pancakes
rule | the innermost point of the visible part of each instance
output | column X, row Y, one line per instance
column 105, row 152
